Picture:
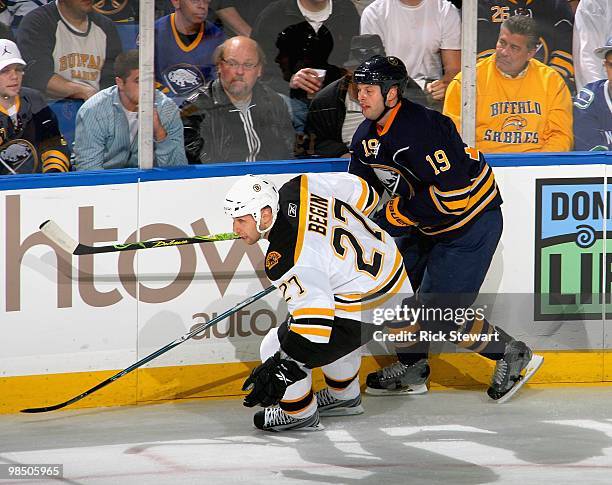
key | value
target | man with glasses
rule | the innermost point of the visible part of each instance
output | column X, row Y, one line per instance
column 30, row 140
column 235, row 118
column 593, row 108
column 184, row 46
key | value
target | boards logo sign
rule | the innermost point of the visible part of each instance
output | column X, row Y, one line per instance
column 570, row 273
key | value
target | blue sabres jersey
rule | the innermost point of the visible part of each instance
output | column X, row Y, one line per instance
column 184, row 68
column 434, row 180
column 593, row 117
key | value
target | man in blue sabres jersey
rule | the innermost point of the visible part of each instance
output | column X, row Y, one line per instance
column 184, row 46
column 593, row 109
column 444, row 204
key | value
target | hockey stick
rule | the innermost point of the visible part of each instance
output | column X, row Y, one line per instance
column 59, row 236
column 200, row 328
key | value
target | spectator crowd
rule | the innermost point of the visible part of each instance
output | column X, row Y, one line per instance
column 252, row 80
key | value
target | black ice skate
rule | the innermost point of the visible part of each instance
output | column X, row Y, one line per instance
column 513, row 371
column 275, row 419
column 330, row 406
column 398, row 379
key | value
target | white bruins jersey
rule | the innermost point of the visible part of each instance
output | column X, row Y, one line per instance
column 328, row 259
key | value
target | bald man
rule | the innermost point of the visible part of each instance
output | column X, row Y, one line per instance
column 235, row 118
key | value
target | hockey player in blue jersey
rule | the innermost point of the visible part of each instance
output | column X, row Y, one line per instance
column 593, row 109
column 444, row 205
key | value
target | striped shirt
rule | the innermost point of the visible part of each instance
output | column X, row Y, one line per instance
column 102, row 136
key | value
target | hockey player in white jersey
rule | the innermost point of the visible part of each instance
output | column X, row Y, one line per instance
column 333, row 266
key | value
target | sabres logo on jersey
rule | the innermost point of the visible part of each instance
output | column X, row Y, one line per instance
column 18, row 156
column 183, row 79
column 514, row 123
column 272, row 259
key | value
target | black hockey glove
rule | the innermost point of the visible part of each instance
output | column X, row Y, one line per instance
column 269, row 381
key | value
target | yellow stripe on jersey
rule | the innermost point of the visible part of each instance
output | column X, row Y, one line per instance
column 368, row 199
column 376, row 302
column 364, row 195
column 313, row 312
column 360, row 296
column 465, row 190
column 302, row 222
column 54, row 159
column 314, row 333
column 395, row 217
column 459, row 206
column 467, row 219
column 179, row 41
column 373, row 199
column 563, row 63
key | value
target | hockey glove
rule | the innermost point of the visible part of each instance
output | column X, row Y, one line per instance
column 380, row 218
column 269, row 381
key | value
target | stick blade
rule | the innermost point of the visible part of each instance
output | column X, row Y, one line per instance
column 58, row 236
column 43, row 409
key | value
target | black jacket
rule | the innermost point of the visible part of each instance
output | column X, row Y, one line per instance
column 290, row 43
column 216, row 131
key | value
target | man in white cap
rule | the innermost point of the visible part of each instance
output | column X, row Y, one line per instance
column 30, row 140
column 593, row 108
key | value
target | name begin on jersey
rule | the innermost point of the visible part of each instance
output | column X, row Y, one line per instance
column 318, row 214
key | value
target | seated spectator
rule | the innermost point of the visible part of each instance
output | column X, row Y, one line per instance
column 521, row 104
column 236, row 118
column 301, row 36
column 30, row 140
column 592, row 26
column 184, row 46
column 107, row 124
column 593, row 109
column 554, row 19
column 424, row 34
column 70, row 49
column 335, row 113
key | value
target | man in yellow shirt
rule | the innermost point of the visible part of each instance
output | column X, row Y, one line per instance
column 521, row 104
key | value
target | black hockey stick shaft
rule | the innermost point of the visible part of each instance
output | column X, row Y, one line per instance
column 200, row 328
column 60, row 237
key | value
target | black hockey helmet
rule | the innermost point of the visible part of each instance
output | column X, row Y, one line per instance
column 384, row 71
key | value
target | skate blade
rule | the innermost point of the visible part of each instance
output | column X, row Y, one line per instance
column 341, row 411
column 316, row 427
column 532, row 367
column 418, row 389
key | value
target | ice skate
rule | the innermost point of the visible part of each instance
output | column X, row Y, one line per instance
column 330, row 406
column 275, row 419
column 513, row 371
column 398, row 378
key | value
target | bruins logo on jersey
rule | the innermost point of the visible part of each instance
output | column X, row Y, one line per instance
column 117, row 10
column 272, row 259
